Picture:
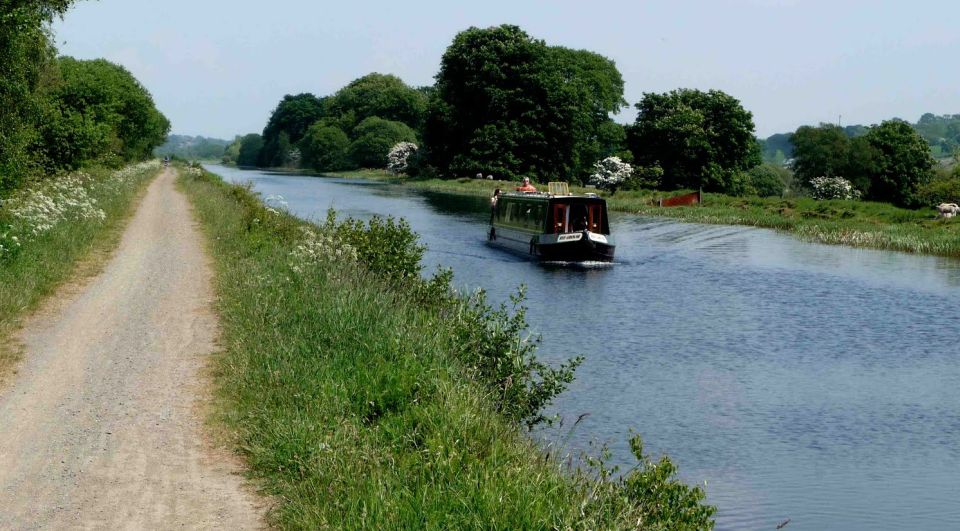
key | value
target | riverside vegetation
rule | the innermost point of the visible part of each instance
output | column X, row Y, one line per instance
column 855, row 223
column 363, row 395
column 50, row 226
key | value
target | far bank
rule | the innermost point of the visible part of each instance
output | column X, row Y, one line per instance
column 864, row 224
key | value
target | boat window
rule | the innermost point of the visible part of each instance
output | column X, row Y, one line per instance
column 559, row 218
column 596, row 219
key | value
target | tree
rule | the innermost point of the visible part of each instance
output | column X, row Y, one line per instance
column 822, row 151
column 901, row 162
column 768, row 180
column 287, row 125
column 249, row 152
column 508, row 105
column 700, row 139
column 374, row 138
column 26, row 54
column 325, row 148
column 97, row 110
column 385, row 96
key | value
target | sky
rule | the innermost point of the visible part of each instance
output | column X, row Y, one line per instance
column 218, row 68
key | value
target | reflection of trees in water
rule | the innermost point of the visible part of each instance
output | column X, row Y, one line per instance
column 950, row 268
column 456, row 204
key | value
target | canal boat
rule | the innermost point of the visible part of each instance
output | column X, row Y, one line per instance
column 555, row 226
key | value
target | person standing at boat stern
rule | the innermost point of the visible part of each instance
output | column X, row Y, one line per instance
column 493, row 203
column 526, row 187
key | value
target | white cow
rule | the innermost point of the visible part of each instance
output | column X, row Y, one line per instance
column 948, row 210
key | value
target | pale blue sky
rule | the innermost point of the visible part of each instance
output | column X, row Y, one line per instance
column 218, row 68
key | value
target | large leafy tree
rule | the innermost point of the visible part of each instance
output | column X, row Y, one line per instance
column 287, row 125
column 249, row 151
column 324, row 148
column 385, row 96
column 509, row 105
column 822, row 151
column 700, row 139
column 901, row 162
column 26, row 53
column 374, row 138
column 98, row 110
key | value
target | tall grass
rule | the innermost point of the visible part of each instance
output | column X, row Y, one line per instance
column 364, row 397
column 48, row 228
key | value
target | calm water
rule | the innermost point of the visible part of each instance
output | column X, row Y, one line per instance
column 801, row 381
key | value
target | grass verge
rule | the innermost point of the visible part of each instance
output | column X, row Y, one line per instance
column 57, row 230
column 364, row 397
column 855, row 223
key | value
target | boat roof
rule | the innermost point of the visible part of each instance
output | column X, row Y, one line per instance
column 547, row 195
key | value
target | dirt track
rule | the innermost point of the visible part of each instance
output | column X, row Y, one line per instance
column 102, row 426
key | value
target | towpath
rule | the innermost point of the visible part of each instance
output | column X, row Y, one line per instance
column 102, row 427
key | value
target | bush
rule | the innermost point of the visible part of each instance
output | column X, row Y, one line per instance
column 767, row 180
column 610, row 173
column 373, row 139
column 942, row 190
column 833, row 188
column 399, row 157
column 325, row 147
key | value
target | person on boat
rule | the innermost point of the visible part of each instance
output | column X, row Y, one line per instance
column 526, row 187
column 493, row 203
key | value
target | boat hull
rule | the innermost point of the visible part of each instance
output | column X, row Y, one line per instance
column 581, row 246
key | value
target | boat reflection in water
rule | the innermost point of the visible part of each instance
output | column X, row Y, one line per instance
column 553, row 227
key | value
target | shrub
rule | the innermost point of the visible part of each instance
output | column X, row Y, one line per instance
column 325, row 147
column 399, row 156
column 943, row 190
column 833, row 188
column 767, row 180
column 610, row 173
column 373, row 139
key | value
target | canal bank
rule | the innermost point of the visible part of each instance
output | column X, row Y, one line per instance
column 364, row 396
column 800, row 381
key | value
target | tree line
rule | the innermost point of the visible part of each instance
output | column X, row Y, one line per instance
column 59, row 113
column 509, row 105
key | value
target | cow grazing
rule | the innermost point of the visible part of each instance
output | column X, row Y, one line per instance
column 948, row 210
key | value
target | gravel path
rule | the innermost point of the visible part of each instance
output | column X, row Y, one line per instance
column 102, row 427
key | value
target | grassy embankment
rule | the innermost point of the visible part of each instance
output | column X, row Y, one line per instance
column 363, row 396
column 855, row 223
column 59, row 229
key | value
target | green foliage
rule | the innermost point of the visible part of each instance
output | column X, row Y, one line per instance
column 387, row 247
column 248, row 152
column 496, row 347
column 508, row 105
column 769, row 180
column 98, row 111
column 945, row 189
column 383, row 96
column 26, row 57
column 193, row 147
column 287, row 125
column 324, row 148
column 901, row 163
column 373, row 139
column 822, row 151
column 700, row 139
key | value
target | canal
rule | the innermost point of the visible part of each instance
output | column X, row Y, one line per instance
column 813, row 383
